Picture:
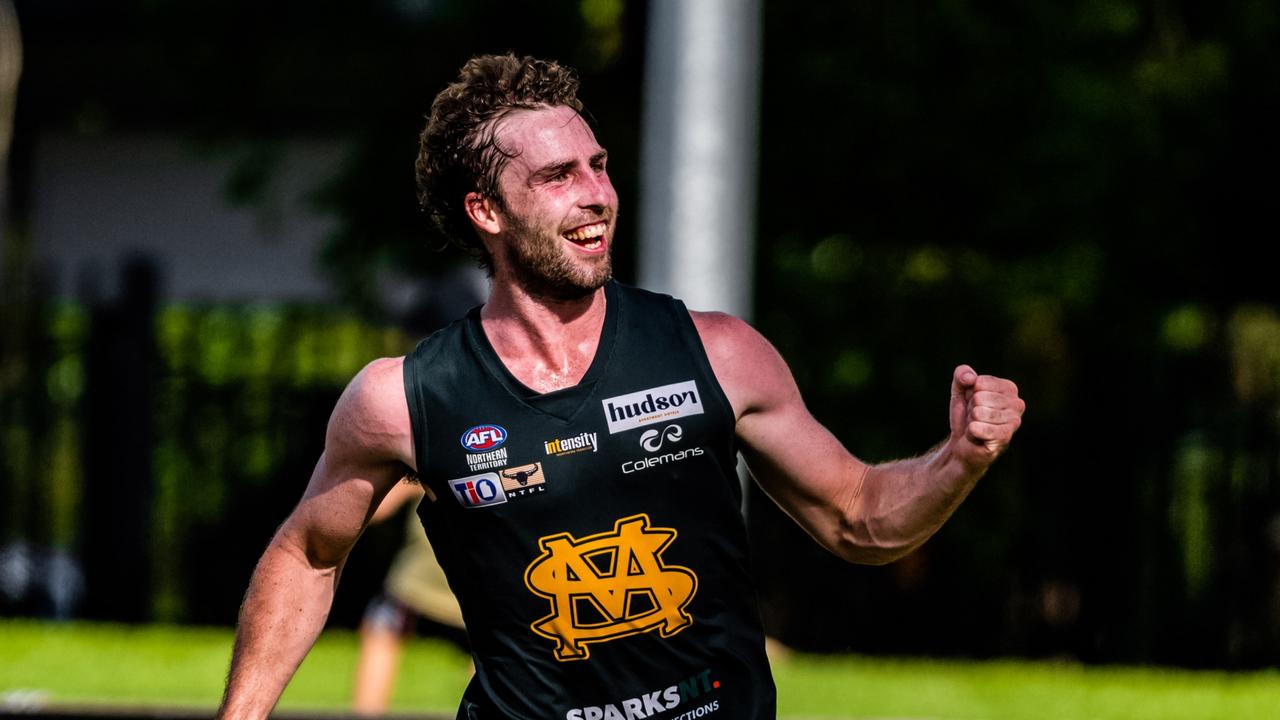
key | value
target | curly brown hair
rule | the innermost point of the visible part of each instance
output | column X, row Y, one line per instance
column 458, row 149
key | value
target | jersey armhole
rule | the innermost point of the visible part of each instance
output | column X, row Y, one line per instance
column 689, row 332
column 413, row 392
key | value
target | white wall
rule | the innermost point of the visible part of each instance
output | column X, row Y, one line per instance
column 96, row 201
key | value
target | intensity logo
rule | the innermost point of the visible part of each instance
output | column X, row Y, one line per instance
column 609, row 585
column 581, row 442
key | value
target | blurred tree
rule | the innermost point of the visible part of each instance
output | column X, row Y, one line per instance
column 241, row 77
column 1062, row 193
column 1035, row 189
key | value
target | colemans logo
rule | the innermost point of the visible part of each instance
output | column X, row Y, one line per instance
column 609, row 585
column 484, row 437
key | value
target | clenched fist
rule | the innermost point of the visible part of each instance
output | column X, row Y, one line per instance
column 985, row 413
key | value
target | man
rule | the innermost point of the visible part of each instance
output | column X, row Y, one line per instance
column 576, row 442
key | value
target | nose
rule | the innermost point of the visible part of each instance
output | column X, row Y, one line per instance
column 598, row 192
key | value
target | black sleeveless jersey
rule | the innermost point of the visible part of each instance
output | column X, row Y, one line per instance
column 592, row 535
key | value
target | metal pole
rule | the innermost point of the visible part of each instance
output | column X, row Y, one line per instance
column 698, row 162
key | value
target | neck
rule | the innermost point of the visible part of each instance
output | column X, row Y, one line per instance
column 547, row 344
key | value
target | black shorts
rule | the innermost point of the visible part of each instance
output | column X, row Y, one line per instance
column 386, row 612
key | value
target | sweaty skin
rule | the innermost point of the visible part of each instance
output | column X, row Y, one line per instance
column 544, row 317
column 555, row 185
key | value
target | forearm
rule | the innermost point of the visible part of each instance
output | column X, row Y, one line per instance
column 901, row 504
column 284, row 611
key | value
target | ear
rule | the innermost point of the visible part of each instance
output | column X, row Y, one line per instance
column 483, row 213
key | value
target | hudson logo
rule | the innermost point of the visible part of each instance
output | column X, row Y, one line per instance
column 479, row 490
column 609, row 585
column 524, row 480
column 625, row 412
column 581, row 442
column 483, row 438
column 652, row 440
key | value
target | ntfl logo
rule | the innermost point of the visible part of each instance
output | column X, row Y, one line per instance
column 482, row 438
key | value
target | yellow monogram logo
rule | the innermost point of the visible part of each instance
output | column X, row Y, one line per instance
column 609, row 585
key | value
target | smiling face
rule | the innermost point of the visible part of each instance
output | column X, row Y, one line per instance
column 553, row 230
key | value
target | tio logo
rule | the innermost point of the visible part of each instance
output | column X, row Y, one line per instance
column 484, row 437
column 609, row 585
column 652, row 440
column 479, row 490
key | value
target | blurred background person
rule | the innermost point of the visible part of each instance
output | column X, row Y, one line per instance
column 415, row 597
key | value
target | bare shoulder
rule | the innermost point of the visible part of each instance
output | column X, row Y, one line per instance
column 376, row 393
column 748, row 367
column 723, row 334
column 371, row 418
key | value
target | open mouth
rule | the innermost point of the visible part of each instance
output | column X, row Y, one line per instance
column 588, row 237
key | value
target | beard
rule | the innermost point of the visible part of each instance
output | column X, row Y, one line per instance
column 545, row 268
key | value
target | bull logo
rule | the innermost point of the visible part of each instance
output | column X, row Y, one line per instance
column 609, row 585
column 513, row 478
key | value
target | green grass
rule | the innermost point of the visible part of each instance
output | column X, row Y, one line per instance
column 1015, row 690
column 179, row 666
column 84, row 663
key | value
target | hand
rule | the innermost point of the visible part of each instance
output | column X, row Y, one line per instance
column 985, row 413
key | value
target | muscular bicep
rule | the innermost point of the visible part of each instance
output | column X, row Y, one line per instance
column 801, row 465
column 368, row 449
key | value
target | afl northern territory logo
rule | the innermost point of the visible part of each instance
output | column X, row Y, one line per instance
column 609, row 585
column 482, row 438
